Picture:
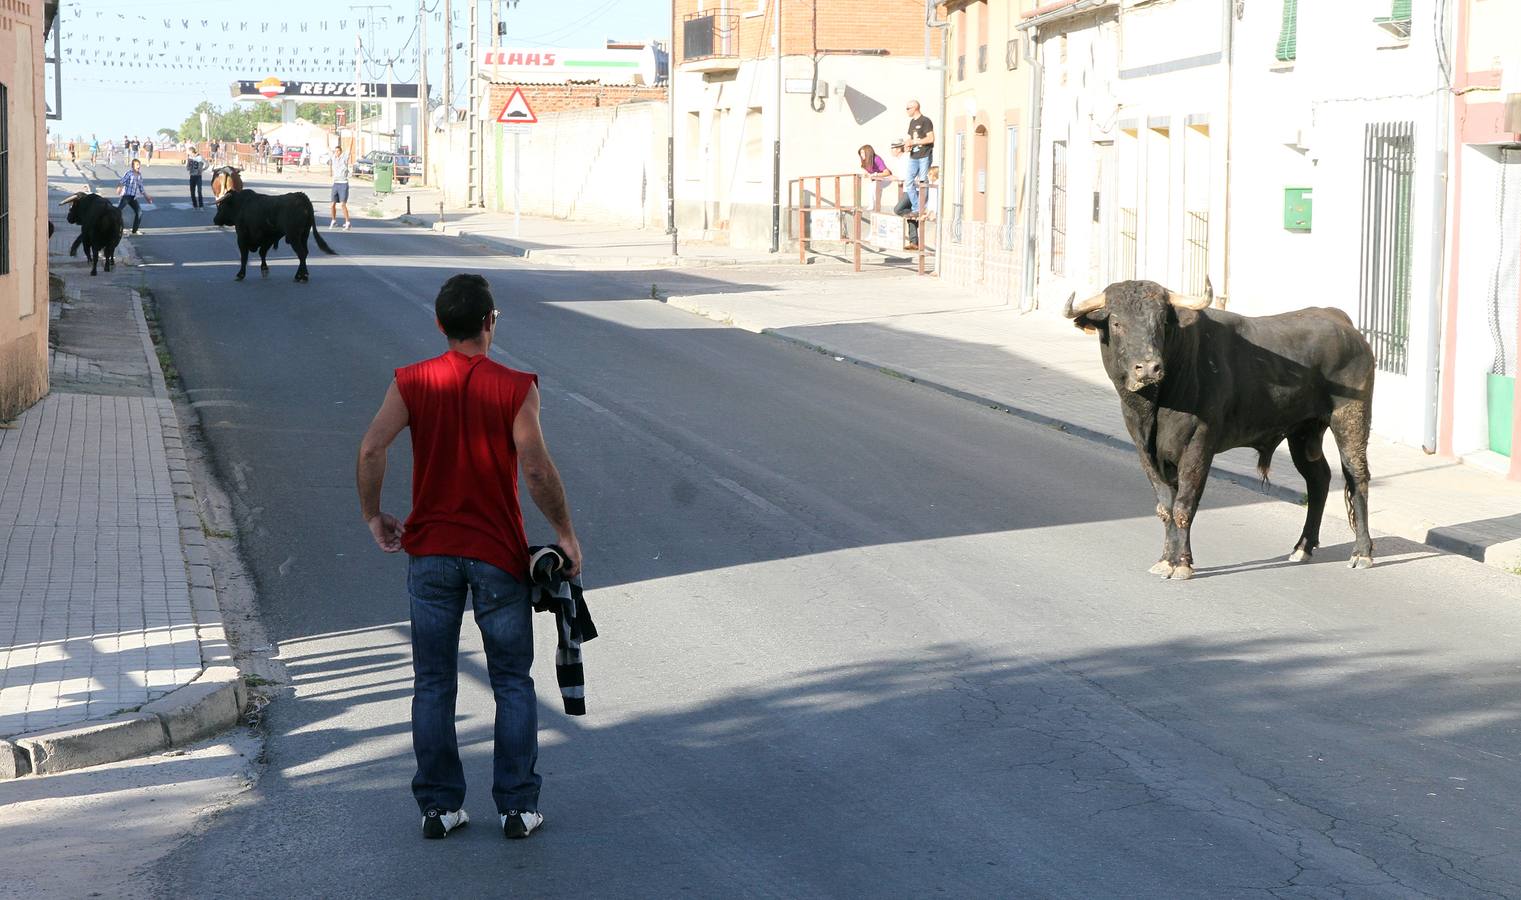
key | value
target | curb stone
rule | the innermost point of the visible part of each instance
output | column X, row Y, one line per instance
column 1448, row 539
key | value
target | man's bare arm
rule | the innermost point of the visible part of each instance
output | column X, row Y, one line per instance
column 543, row 479
column 370, row 470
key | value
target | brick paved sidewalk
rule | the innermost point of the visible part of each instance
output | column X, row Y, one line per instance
column 106, row 596
column 1039, row 366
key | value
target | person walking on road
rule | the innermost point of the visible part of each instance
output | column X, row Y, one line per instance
column 195, row 164
column 920, row 143
column 130, row 188
column 474, row 422
column 340, row 167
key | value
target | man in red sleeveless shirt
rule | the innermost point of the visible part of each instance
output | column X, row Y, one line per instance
column 473, row 423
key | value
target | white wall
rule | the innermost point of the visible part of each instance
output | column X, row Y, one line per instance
column 1302, row 124
column 605, row 164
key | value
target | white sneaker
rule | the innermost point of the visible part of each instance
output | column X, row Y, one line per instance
column 331, row 224
column 347, row 226
column 437, row 823
column 517, row 824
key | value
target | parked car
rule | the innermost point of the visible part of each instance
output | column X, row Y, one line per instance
column 293, row 155
column 364, row 167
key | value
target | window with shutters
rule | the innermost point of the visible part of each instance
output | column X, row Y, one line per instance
column 1058, row 207
column 1288, row 34
column 1398, row 20
column 1385, row 265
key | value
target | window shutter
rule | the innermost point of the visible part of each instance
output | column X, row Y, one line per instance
column 1288, row 36
column 1400, row 11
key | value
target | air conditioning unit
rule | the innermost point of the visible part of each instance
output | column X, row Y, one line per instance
column 1011, row 54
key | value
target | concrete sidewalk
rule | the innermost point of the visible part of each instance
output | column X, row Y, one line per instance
column 1040, row 367
column 111, row 638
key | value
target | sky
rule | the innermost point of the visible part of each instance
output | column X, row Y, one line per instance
column 188, row 52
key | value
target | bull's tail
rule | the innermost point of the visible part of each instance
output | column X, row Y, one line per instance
column 321, row 244
column 1265, row 464
column 74, row 247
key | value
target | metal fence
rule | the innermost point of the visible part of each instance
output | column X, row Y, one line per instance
column 705, row 35
column 1124, row 269
column 1058, row 207
column 1384, row 278
column 1195, row 251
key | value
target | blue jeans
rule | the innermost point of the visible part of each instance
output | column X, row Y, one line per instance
column 504, row 613
column 917, row 169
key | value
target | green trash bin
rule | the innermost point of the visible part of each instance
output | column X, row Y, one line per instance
column 385, row 175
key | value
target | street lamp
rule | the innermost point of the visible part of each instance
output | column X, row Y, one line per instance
column 205, row 118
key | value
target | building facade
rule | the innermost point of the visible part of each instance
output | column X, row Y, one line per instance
column 23, row 219
column 1130, row 135
column 1480, row 408
column 764, row 92
column 984, row 160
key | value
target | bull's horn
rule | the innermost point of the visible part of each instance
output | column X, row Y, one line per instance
column 1194, row 301
column 1097, row 301
column 72, row 198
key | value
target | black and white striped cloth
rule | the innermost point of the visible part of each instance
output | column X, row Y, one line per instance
column 573, row 622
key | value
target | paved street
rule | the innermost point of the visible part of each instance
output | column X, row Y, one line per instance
column 858, row 638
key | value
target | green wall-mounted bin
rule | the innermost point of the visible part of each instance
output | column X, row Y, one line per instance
column 1298, row 204
column 1502, row 398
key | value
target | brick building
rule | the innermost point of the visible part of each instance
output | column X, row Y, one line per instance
column 563, row 97
column 23, row 191
column 758, row 101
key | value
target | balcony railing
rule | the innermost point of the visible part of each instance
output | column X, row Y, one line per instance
column 709, row 35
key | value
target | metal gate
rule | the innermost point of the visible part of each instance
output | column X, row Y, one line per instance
column 1384, row 277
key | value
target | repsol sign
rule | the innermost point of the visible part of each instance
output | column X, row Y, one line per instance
column 330, row 90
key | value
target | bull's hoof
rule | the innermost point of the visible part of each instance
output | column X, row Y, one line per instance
column 1182, row 573
column 264, row 272
column 1299, row 555
column 302, row 278
column 1359, row 561
column 1161, row 567
column 239, row 276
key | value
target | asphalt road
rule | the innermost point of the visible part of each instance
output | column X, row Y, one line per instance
column 858, row 638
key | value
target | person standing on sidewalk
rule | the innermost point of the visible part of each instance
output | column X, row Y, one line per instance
column 473, row 421
column 130, row 188
column 920, row 143
column 195, row 164
column 340, row 167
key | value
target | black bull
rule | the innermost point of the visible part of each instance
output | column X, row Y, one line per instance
column 261, row 222
column 1195, row 381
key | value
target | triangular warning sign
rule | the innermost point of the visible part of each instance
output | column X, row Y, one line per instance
column 517, row 111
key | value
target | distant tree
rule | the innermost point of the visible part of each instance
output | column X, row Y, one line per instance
column 235, row 123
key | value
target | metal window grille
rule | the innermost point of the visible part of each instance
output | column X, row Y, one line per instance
column 961, row 67
column 982, row 58
column 959, row 186
column 1125, row 265
column 1195, row 251
column 1288, row 34
column 1058, row 207
column 705, row 35
column 5, row 180
column 1505, row 287
column 1010, row 184
column 1384, row 280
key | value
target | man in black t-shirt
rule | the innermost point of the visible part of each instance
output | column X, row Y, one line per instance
column 921, row 151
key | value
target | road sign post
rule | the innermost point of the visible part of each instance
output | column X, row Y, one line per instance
column 517, row 116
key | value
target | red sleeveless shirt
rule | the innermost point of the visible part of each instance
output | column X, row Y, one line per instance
column 464, row 464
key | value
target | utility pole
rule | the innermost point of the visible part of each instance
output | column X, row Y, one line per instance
column 473, row 197
column 448, row 63
column 358, row 96
column 496, row 18
column 422, row 88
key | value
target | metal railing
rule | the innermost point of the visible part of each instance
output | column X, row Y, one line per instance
column 833, row 210
column 1125, row 264
column 709, row 35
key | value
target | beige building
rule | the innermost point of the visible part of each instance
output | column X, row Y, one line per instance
column 23, row 193
column 983, row 165
column 767, row 92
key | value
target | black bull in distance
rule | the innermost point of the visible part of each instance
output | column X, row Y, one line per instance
column 261, row 221
column 1195, row 381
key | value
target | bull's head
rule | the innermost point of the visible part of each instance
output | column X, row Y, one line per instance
column 72, row 202
column 227, row 210
column 1132, row 318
